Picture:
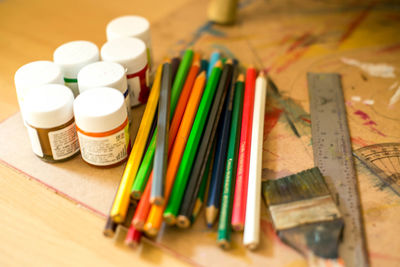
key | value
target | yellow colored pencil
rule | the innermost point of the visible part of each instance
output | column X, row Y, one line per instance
column 121, row 201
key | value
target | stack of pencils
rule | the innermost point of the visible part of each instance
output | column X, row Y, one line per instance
column 201, row 131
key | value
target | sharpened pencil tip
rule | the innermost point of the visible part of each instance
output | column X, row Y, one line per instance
column 229, row 61
column 218, row 64
column 240, row 78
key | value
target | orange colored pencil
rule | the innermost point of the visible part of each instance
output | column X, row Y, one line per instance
column 154, row 218
column 183, row 99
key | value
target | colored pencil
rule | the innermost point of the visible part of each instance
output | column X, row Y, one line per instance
column 203, row 188
column 224, row 224
column 121, row 200
column 204, row 65
column 180, row 79
column 175, row 93
column 133, row 237
column 175, row 61
column 198, row 147
column 143, row 208
column 160, row 157
column 109, row 229
column 183, row 99
column 186, row 204
column 242, row 174
column 154, row 219
column 215, row 188
column 151, row 133
column 251, row 235
column 213, row 60
column 144, row 170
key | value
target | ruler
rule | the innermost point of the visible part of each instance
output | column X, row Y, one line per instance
column 333, row 156
column 384, row 161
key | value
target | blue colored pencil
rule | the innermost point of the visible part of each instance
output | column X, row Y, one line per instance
column 215, row 56
column 215, row 188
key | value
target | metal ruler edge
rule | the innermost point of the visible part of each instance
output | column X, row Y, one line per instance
column 333, row 155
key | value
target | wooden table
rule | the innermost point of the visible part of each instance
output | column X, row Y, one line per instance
column 42, row 228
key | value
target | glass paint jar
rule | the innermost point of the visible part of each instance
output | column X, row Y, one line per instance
column 105, row 74
column 131, row 26
column 131, row 54
column 50, row 122
column 71, row 57
column 35, row 74
column 102, row 126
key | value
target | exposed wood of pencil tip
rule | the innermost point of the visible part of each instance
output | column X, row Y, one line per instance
column 238, row 227
column 151, row 231
column 252, row 246
column 132, row 244
column 158, row 201
column 229, row 61
column 218, row 64
column 170, row 219
column 138, row 224
column 203, row 73
column 262, row 74
column 136, row 195
column 240, row 78
column 182, row 222
column 224, row 244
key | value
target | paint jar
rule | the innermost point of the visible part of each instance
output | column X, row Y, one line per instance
column 35, row 74
column 102, row 126
column 131, row 54
column 105, row 74
column 72, row 57
column 131, row 26
column 50, row 122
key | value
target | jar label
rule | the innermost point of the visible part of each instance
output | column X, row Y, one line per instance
column 138, row 84
column 134, row 90
column 35, row 142
column 64, row 142
column 106, row 150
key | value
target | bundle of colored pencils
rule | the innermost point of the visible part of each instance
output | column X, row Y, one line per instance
column 206, row 137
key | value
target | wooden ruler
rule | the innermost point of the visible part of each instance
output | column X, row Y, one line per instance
column 333, row 155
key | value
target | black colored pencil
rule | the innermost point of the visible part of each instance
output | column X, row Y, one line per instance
column 160, row 157
column 174, row 66
column 110, row 228
column 192, row 189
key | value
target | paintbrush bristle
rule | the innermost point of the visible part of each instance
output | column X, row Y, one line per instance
column 304, row 185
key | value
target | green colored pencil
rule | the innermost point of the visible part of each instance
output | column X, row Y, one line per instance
column 144, row 170
column 224, row 225
column 177, row 86
column 180, row 79
column 192, row 144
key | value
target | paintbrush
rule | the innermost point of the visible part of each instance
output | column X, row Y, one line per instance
column 304, row 213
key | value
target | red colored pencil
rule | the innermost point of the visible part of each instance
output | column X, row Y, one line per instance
column 242, row 174
column 143, row 208
column 133, row 237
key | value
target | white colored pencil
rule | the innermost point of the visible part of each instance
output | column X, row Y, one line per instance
column 251, row 236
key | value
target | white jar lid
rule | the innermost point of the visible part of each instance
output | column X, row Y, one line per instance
column 129, row 26
column 35, row 74
column 99, row 110
column 72, row 56
column 127, row 51
column 102, row 74
column 48, row 106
